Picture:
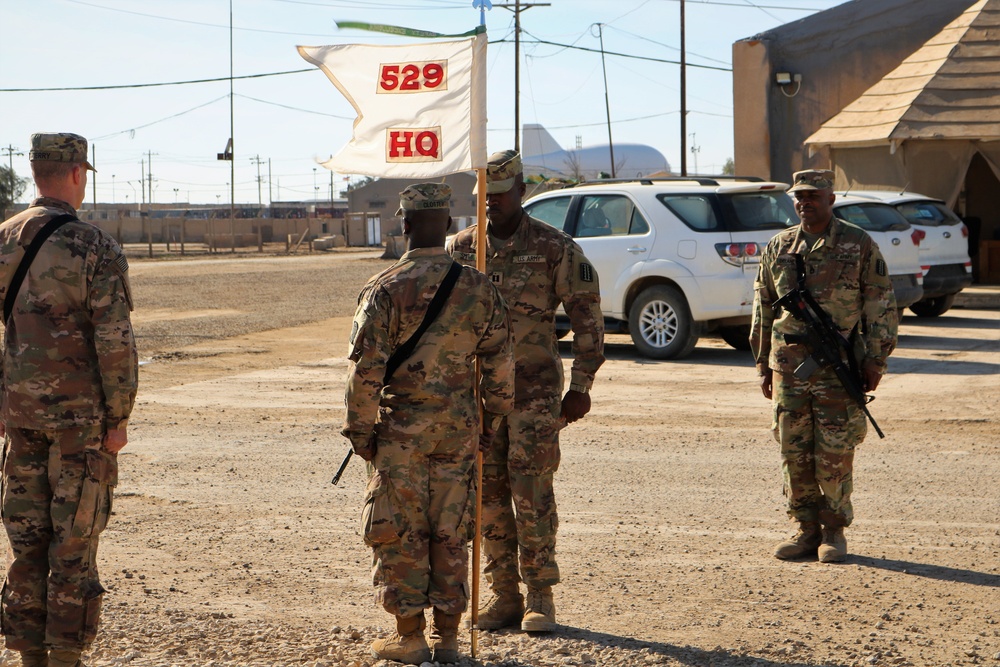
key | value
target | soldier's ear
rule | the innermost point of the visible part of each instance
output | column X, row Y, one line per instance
column 407, row 227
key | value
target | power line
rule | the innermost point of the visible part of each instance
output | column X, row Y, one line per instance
column 153, row 85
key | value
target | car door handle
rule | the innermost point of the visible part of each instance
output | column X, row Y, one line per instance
column 947, row 235
column 635, row 250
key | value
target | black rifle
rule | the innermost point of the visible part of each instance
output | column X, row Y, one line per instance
column 406, row 349
column 827, row 344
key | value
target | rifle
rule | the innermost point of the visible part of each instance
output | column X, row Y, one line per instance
column 826, row 342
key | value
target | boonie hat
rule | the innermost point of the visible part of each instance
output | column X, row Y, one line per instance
column 424, row 196
column 812, row 179
column 501, row 169
column 59, row 147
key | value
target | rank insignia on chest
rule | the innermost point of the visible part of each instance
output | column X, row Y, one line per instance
column 496, row 278
column 466, row 257
column 880, row 267
column 586, row 273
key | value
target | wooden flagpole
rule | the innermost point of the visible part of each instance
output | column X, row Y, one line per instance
column 477, row 537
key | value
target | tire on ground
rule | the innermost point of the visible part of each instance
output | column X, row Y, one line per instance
column 660, row 324
column 737, row 337
column 933, row 307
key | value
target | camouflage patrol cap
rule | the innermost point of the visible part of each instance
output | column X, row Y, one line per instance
column 424, row 196
column 59, row 147
column 501, row 169
column 812, row 179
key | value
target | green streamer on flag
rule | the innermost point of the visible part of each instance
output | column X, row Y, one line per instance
column 405, row 32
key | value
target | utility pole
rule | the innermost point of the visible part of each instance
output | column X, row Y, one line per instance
column 93, row 181
column 256, row 160
column 607, row 102
column 517, row 8
column 684, row 166
column 270, row 194
column 11, row 152
column 695, row 149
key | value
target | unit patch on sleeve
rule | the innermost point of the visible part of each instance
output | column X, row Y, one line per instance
column 880, row 267
column 586, row 272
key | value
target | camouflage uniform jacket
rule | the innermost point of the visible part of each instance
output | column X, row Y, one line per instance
column 848, row 277
column 536, row 270
column 431, row 393
column 69, row 355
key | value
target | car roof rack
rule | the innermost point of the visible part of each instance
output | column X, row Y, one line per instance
column 700, row 180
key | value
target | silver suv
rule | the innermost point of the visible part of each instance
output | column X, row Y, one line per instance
column 944, row 247
column 676, row 257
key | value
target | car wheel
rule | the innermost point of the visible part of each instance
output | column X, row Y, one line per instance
column 933, row 307
column 660, row 324
column 737, row 337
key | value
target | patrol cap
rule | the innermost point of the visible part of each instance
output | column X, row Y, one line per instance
column 59, row 147
column 424, row 196
column 501, row 169
column 812, row 179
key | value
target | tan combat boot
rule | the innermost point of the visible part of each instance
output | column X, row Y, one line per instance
column 407, row 644
column 834, row 546
column 37, row 657
column 540, row 612
column 60, row 657
column 804, row 542
column 444, row 636
column 503, row 609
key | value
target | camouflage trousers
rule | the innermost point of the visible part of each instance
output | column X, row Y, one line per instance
column 818, row 427
column 419, row 516
column 519, row 520
column 56, row 500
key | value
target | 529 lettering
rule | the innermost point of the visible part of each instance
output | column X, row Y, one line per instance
column 413, row 77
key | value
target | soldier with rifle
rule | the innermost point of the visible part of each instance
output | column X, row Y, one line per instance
column 413, row 413
column 824, row 325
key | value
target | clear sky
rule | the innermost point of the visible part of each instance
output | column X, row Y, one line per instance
column 287, row 121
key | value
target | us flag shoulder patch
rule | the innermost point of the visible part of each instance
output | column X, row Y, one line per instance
column 880, row 267
column 121, row 264
column 586, row 273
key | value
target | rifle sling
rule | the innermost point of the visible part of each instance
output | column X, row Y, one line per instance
column 403, row 352
column 29, row 256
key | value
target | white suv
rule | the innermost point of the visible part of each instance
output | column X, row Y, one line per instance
column 676, row 257
column 896, row 238
column 944, row 248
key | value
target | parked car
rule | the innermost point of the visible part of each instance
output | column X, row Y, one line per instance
column 898, row 240
column 676, row 257
column 944, row 250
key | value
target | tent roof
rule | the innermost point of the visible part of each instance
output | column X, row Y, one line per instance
column 948, row 89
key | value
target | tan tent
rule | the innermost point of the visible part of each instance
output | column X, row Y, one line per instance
column 932, row 124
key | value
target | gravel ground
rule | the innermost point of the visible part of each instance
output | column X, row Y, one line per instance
column 229, row 546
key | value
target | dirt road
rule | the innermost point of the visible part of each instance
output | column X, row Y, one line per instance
column 229, row 546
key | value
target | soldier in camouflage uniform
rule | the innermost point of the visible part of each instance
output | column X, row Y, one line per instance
column 418, row 429
column 816, row 422
column 70, row 374
column 537, row 268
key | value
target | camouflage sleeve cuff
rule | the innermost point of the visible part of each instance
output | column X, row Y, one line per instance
column 115, row 423
column 762, row 369
column 580, row 382
column 880, row 365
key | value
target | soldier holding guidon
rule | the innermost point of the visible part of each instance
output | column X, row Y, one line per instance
column 816, row 420
column 419, row 426
column 537, row 268
column 70, row 374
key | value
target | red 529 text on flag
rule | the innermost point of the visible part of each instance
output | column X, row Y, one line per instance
column 412, row 77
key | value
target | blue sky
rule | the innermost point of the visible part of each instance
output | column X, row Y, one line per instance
column 288, row 121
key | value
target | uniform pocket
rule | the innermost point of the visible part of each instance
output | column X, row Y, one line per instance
column 379, row 524
column 94, row 508
column 93, row 596
column 468, row 521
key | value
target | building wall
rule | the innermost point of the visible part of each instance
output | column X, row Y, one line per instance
column 839, row 53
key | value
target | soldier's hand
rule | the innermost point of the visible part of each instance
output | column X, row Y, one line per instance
column 767, row 383
column 486, row 439
column 3, row 430
column 115, row 440
column 872, row 378
column 366, row 451
column 575, row 405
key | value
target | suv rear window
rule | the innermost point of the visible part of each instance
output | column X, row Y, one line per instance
column 928, row 213
column 872, row 217
column 551, row 211
column 695, row 211
column 762, row 210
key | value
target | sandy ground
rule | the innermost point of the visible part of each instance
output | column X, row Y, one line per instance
column 229, row 546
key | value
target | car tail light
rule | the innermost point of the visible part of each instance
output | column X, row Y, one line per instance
column 965, row 231
column 918, row 235
column 968, row 267
column 738, row 254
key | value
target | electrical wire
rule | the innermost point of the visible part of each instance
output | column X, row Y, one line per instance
column 131, row 131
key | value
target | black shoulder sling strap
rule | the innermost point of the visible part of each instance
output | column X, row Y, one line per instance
column 29, row 255
column 437, row 303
